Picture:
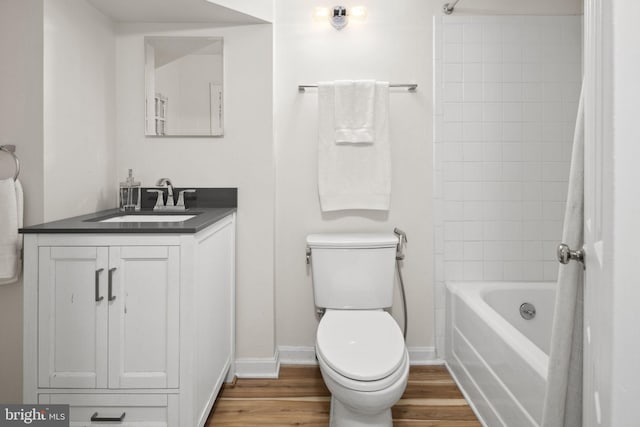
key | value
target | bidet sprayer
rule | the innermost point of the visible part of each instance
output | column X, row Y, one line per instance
column 402, row 239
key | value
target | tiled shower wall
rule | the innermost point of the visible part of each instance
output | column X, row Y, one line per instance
column 506, row 93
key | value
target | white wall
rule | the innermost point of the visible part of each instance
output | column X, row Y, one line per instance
column 79, row 110
column 242, row 158
column 384, row 47
column 261, row 9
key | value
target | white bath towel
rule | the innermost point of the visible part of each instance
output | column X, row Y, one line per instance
column 353, row 176
column 11, row 216
column 354, row 111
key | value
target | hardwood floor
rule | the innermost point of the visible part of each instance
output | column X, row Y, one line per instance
column 300, row 398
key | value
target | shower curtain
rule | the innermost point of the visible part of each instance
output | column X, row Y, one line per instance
column 563, row 397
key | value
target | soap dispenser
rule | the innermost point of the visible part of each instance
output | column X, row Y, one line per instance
column 130, row 194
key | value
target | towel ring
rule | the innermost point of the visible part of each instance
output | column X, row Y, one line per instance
column 10, row 149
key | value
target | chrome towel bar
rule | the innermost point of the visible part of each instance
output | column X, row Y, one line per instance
column 411, row 87
column 11, row 149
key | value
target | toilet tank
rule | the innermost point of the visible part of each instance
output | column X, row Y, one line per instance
column 353, row 271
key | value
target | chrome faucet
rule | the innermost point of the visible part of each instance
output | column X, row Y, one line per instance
column 167, row 182
column 170, row 205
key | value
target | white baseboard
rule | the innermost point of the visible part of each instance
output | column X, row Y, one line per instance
column 297, row 355
column 304, row 355
column 424, row 356
column 268, row 367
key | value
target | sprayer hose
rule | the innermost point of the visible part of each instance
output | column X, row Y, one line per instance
column 404, row 300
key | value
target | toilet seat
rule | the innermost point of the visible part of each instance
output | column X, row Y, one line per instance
column 361, row 345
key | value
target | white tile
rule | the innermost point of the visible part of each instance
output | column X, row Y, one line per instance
column 473, row 230
column 511, row 53
column 552, row 92
column 472, row 92
column 532, row 230
column 492, row 53
column 492, row 132
column 472, row 171
column 493, row 250
column 532, row 112
column 438, row 265
column 452, row 152
column 513, row 270
column 493, row 270
column 555, row 171
column 473, row 270
column 512, row 112
column 512, row 251
column 492, row 92
column 491, row 33
column 492, row 151
column 472, row 251
column 453, row 251
column 550, row 271
column 472, row 131
column 532, row 92
column 453, row 231
column 531, row 191
column 512, row 33
column 472, row 52
column 472, row 33
column 532, row 211
column 552, row 112
column 492, row 111
column 473, row 191
column 472, row 73
column 512, row 191
column 532, row 270
column 492, row 73
column 472, row 212
column 453, row 210
column 512, row 92
column 452, row 33
column 452, row 73
column 532, row 132
column 472, row 112
column 512, row 152
column 512, row 171
column 512, row 72
column 532, row 251
column 438, row 239
column 453, row 191
column 493, row 191
column 549, row 250
column 512, row 131
column 472, row 152
column 512, row 210
column 453, row 270
column 553, row 211
column 452, row 92
column 452, row 53
column 531, row 171
column 452, row 112
column 452, row 171
column 532, row 73
column 492, row 171
column 554, row 191
column 452, row 131
column 491, row 211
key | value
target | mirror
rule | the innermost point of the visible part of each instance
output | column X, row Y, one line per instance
column 183, row 81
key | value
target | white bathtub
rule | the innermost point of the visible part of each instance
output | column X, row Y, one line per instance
column 498, row 358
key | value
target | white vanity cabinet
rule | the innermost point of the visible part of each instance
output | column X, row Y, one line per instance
column 133, row 324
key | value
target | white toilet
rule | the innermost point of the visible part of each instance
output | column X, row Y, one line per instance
column 362, row 355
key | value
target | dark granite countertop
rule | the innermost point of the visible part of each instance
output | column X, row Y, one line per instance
column 208, row 208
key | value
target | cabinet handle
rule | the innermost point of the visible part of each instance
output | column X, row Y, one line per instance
column 111, row 296
column 97, row 419
column 98, row 297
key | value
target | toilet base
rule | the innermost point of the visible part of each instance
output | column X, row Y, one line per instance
column 343, row 416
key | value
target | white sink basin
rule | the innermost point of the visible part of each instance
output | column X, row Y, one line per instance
column 148, row 218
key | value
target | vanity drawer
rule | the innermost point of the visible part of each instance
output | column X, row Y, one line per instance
column 140, row 410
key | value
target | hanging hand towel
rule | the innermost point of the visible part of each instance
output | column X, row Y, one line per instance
column 11, row 213
column 353, row 176
column 354, row 111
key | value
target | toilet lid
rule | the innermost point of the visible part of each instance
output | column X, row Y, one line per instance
column 361, row 345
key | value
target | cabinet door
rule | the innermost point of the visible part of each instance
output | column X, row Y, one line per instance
column 72, row 321
column 144, row 316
